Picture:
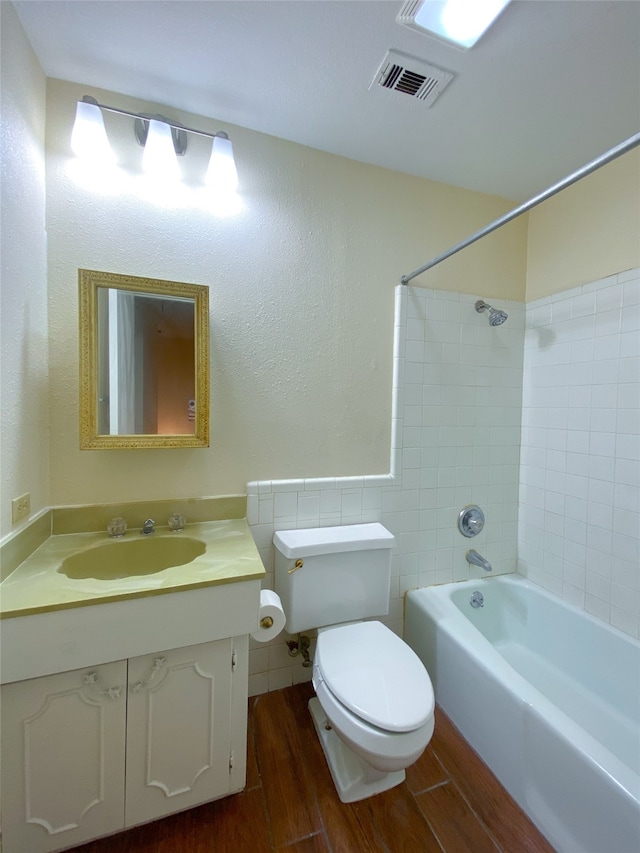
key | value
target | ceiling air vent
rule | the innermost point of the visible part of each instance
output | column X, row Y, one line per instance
column 402, row 73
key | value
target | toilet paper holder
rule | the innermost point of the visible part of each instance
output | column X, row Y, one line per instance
column 271, row 617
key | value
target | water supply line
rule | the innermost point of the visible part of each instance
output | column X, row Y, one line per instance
column 300, row 647
column 587, row 169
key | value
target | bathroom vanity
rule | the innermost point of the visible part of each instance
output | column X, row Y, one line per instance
column 123, row 700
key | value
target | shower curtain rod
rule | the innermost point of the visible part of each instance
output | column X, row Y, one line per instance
column 605, row 158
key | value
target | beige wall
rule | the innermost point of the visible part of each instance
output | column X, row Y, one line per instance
column 301, row 293
column 588, row 231
column 24, row 401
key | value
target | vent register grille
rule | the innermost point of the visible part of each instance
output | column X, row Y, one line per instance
column 401, row 73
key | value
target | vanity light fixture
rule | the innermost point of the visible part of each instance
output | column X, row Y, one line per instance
column 458, row 22
column 161, row 138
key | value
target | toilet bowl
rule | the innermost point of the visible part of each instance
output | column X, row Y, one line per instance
column 374, row 711
column 374, row 703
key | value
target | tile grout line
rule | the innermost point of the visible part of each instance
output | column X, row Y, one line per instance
column 444, row 782
column 415, row 794
column 320, row 832
column 312, row 788
column 265, row 810
column 453, row 781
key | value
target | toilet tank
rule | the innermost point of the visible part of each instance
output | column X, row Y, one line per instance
column 344, row 574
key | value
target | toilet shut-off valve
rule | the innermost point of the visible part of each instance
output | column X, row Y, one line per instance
column 300, row 647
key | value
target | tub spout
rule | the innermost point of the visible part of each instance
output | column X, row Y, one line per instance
column 475, row 558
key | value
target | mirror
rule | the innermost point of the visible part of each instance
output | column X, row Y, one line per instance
column 144, row 362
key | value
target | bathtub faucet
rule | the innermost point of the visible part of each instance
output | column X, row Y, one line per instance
column 475, row 558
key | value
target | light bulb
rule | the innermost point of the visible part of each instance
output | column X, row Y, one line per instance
column 222, row 173
column 89, row 137
column 159, row 158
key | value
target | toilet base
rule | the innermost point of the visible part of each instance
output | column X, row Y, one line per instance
column 354, row 779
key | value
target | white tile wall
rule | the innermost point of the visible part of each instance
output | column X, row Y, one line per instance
column 579, row 528
column 455, row 440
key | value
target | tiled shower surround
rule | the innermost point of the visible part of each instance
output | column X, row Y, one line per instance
column 580, row 476
column 460, row 390
column 457, row 395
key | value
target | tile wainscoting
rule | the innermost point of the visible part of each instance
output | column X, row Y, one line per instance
column 456, row 409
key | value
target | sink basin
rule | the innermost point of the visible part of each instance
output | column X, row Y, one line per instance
column 124, row 558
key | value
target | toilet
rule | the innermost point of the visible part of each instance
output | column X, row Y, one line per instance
column 374, row 704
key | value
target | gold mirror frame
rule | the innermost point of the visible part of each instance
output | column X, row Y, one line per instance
column 89, row 281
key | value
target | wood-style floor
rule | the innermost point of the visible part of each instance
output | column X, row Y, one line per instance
column 449, row 802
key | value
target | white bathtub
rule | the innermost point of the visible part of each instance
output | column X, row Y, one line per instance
column 550, row 699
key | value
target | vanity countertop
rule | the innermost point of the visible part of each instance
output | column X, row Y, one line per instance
column 36, row 585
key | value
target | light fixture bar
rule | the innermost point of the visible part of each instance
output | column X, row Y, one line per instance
column 90, row 100
column 161, row 139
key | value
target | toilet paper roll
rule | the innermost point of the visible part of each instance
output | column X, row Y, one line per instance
column 272, row 618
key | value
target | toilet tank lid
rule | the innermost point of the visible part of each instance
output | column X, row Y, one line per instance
column 331, row 540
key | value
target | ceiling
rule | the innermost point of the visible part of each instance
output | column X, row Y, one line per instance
column 554, row 84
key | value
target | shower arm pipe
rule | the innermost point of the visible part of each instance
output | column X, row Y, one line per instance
column 605, row 158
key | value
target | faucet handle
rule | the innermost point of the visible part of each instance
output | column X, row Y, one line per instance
column 470, row 520
column 176, row 522
column 117, row 527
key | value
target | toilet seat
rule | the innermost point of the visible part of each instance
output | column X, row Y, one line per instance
column 395, row 749
column 374, row 676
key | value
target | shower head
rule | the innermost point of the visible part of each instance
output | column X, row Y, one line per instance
column 496, row 317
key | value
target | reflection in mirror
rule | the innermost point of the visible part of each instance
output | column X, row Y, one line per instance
column 144, row 362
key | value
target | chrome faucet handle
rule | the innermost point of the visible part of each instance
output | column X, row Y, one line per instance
column 470, row 520
column 148, row 527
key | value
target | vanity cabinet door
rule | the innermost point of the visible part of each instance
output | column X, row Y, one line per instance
column 63, row 747
column 178, row 730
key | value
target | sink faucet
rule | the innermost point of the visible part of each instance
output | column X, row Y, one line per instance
column 475, row 558
column 148, row 527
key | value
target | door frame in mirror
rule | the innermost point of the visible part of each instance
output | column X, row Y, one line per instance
column 88, row 282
